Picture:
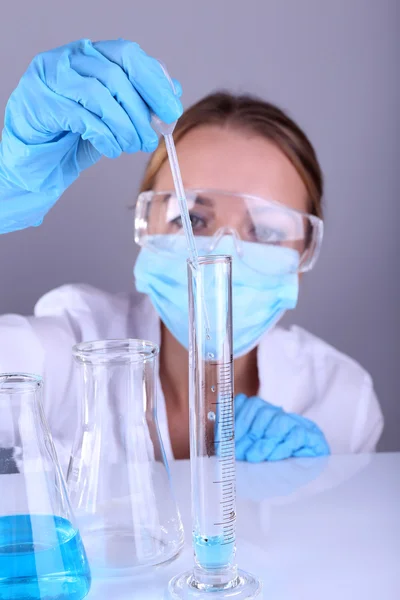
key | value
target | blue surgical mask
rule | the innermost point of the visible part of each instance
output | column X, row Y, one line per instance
column 259, row 300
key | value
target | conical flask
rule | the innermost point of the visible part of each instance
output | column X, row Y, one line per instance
column 41, row 552
column 118, row 476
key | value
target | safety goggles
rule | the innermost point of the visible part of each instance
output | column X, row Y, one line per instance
column 215, row 214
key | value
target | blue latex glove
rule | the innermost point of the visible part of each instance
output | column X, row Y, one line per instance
column 74, row 104
column 267, row 432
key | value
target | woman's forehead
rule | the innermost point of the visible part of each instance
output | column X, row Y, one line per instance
column 237, row 161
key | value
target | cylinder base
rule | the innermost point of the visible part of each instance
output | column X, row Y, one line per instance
column 185, row 587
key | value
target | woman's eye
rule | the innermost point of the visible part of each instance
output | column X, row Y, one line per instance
column 196, row 221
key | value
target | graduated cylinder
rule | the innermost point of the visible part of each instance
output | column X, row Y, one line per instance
column 212, row 421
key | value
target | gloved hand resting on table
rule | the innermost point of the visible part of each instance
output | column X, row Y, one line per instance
column 74, row 104
column 267, row 432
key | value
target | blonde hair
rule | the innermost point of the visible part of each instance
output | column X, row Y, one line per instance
column 262, row 118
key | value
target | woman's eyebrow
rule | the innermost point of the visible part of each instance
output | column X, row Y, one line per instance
column 204, row 201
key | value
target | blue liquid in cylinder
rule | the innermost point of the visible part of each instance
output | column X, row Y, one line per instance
column 41, row 558
column 212, row 552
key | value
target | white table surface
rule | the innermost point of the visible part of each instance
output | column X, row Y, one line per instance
column 324, row 528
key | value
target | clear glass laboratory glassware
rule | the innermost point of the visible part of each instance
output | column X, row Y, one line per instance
column 118, row 476
column 212, row 439
column 41, row 551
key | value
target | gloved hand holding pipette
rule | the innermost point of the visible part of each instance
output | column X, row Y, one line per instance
column 73, row 105
column 266, row 432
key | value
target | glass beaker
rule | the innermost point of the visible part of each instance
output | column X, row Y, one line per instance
column 41, row 551
column 118, row 476
column 212, row 439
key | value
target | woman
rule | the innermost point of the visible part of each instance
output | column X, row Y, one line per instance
column 254, row 189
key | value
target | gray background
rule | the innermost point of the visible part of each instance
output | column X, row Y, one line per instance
column 334, row 65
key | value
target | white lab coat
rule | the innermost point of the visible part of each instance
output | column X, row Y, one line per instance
column 297, row 371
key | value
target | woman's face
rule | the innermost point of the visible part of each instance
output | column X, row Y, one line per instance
column 215, row 160
column 232, row 160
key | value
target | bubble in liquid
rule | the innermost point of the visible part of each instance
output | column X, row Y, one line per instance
column 213, row 388
column 208, row 337
column 211, row 416
column 210, row 355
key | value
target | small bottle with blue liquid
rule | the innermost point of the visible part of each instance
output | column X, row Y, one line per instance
column 42, row 556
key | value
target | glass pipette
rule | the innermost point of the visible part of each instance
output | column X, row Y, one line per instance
column 180, row 192
column 166, row 130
